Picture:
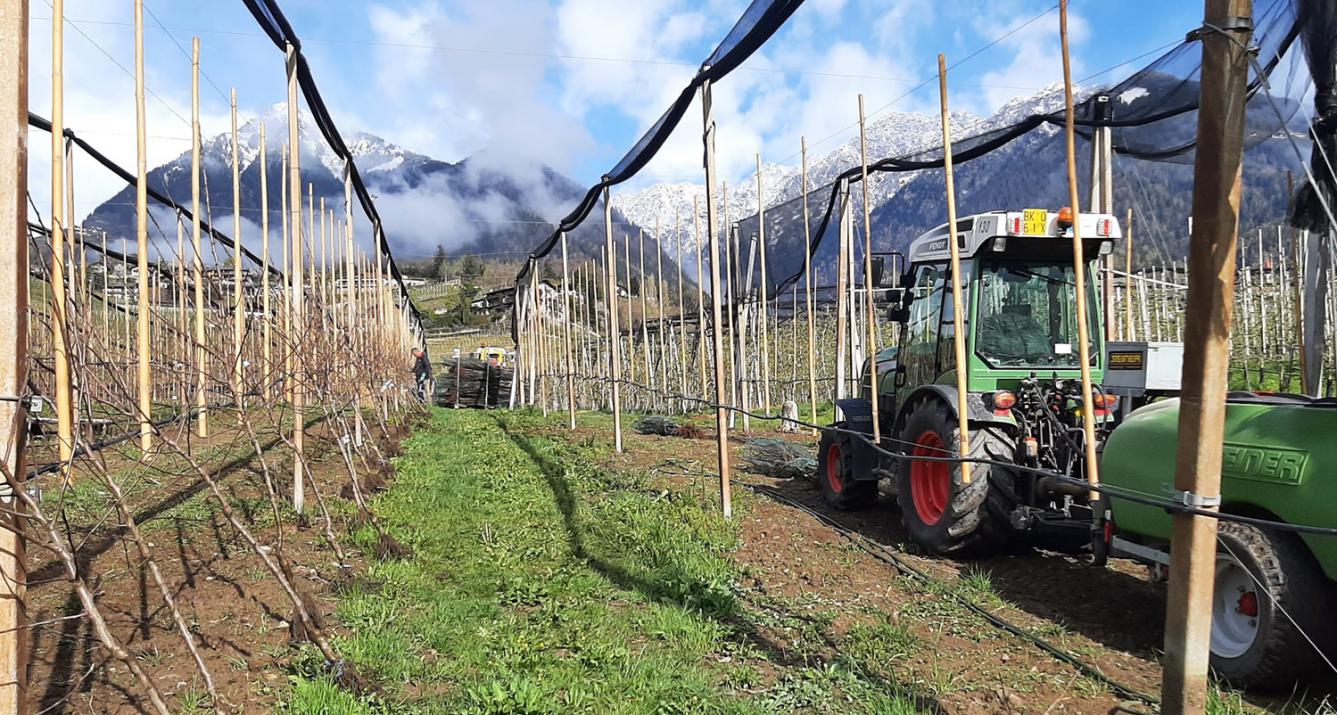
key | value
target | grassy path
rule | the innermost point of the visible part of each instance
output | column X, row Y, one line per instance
column 543, row 584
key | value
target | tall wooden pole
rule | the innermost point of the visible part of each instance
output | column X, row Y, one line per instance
column 297, row 326
column 201, row 357
column 807, row 285
column 238, row 295
column 14, row 350
column 266, row 319
column 59, row 300
column 682, row 313
column 764, row 302
column 614, row 349
column 958, row 305
column 1079, row 264
column 716, row 288
column 1202, row 410
column 870, row 316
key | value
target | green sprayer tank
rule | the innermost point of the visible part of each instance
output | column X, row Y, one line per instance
column 1279, row 462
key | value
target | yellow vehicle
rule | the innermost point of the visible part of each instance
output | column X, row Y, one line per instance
column 496, row 356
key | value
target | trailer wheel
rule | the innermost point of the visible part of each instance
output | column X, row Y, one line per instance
column 839, row 489
column 942, row 513
column 1261, row 578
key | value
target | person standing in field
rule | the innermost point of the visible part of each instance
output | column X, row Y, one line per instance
column 422, row 373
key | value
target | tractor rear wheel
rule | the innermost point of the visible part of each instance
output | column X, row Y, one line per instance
column 836, row 479
column 942, row 513
column 1267, row 595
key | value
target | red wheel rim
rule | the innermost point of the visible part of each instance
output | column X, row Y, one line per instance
column 833, row 476
column 930, row 482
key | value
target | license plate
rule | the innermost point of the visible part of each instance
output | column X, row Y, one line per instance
column 1035, row 222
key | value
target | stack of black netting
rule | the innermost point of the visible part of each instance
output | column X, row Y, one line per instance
column 467, row 382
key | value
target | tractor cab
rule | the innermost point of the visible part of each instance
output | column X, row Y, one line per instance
column 1019, row 295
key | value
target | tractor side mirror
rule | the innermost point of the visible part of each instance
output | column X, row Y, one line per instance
column 899, row 380
column 899, row 312
column 879, row 264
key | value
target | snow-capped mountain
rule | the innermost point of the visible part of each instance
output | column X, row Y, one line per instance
column 478, row 205
column 1028, row 171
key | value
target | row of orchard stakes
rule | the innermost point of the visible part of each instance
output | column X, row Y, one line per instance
column 576, row 355
column 322, row 336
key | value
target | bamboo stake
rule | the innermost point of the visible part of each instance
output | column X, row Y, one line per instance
column 682, row 317
column 14, row 358
column 868, row 286
column 614, row 352
column 238, row 295
column 717, row 347
column 1128, row 278
column 267, row 340
column 566, row 337
column 201, row 357
column 296, row 325
column 807, row 286
column 765, row 311
column 842, row 297
column 958, row 305
column 59, row 300
column 700, row 299
column 659, row 308
column 1079, row 266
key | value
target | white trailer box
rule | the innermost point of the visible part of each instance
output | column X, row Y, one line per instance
column 1133, row 369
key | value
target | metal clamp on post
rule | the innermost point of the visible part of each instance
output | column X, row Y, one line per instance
column 1220, row 24
column 1193, row 501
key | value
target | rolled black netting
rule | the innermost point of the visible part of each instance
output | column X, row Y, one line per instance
column 1152, row 116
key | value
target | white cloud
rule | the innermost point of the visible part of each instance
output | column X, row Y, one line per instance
column 1034, row 61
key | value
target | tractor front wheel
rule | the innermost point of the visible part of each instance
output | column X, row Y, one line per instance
column 836, row 479
column 943, row 513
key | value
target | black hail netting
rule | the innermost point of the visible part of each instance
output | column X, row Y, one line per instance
column 1018, row 161
column 271, row 19
column 761, row 19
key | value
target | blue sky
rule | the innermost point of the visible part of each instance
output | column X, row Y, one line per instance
column 571, row 83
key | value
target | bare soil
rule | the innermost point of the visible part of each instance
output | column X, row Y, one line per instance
column 239, row 614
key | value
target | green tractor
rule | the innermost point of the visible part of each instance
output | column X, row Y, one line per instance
column 1270, row 623
column 1024, row 384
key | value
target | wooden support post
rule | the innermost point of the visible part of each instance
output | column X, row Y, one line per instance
column 807, row 286
column 870, row 315
column 14, row 627
column 1212, row 249
column 645, row 318
column 763, row 304
column 201, row 356
column 1079, row 266
column 614, row 349
column 958, row 305
column 238, row 294
column 297, row 326
column 717, row 338
column 59, row 301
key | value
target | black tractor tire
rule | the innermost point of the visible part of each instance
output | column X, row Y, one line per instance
column 942, row 514
column 1279, row 578
column 836, row 479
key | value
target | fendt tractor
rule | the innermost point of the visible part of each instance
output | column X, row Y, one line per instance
column 1024, row 398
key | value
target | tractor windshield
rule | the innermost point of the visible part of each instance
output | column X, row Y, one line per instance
column 1028, row 315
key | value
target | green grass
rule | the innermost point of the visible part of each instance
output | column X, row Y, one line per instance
column 542, row 584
